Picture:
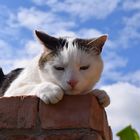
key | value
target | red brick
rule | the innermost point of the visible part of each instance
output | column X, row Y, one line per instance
column 18, row 112
column 72, row 136
column 81, row 111
column 106, row 130
column 74, row 118
column 62, row 135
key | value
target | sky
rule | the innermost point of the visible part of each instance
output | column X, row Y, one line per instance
column 120, row 19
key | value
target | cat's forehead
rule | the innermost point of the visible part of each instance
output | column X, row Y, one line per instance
column 71, row 52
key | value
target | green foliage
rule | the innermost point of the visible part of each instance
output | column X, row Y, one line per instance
column 128, row 133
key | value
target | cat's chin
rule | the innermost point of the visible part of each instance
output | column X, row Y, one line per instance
column 75, row 92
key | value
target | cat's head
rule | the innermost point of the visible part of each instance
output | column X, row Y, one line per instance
column 72, row 63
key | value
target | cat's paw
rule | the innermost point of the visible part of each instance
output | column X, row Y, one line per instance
column 102, row 97
column 49, row 93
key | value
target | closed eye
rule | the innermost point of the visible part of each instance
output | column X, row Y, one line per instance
column 84, row 67
column 59, row 68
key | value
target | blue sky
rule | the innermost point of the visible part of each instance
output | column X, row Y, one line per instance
column 119, row 19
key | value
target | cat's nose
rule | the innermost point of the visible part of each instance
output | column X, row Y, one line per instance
column 72, row 83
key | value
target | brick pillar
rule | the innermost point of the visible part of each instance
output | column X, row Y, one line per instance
column 74, row 118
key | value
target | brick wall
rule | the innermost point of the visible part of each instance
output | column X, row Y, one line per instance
column 74, row 118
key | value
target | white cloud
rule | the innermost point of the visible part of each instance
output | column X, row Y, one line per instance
column 20, row 63
column 130, row 34
column 81, row 8
column 5, row 49
column 82, row 33
column 112, row 62
column 8, row 62
column 89, row 33
column 64, row 32
column 133, row 77
column 3, row 44
column 131, row 5
column 132, row 26
column 48, row 2
column 124, row 107
column 8, row 25
column 34, row 18
column 11, row 58
column 33, row 48
column 6, row 55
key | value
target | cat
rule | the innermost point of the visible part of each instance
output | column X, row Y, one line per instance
column 6, row 80
column 67, row 65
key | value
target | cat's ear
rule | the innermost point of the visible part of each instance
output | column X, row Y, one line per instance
column 94, row 45
column 49, row 42
column 97, row 43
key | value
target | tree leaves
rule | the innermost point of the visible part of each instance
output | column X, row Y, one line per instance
column 128, row 133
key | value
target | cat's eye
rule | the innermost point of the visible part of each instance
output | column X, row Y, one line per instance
column 59, row 68
column 84, row 67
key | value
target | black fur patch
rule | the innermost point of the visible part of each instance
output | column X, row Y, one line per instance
column 63, row 42
column 6, row 80
column 52, row 43
column 2, row 76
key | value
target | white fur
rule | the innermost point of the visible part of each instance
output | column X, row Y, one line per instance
column 50, row 84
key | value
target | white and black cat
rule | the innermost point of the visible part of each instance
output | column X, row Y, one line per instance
column 67, row 66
